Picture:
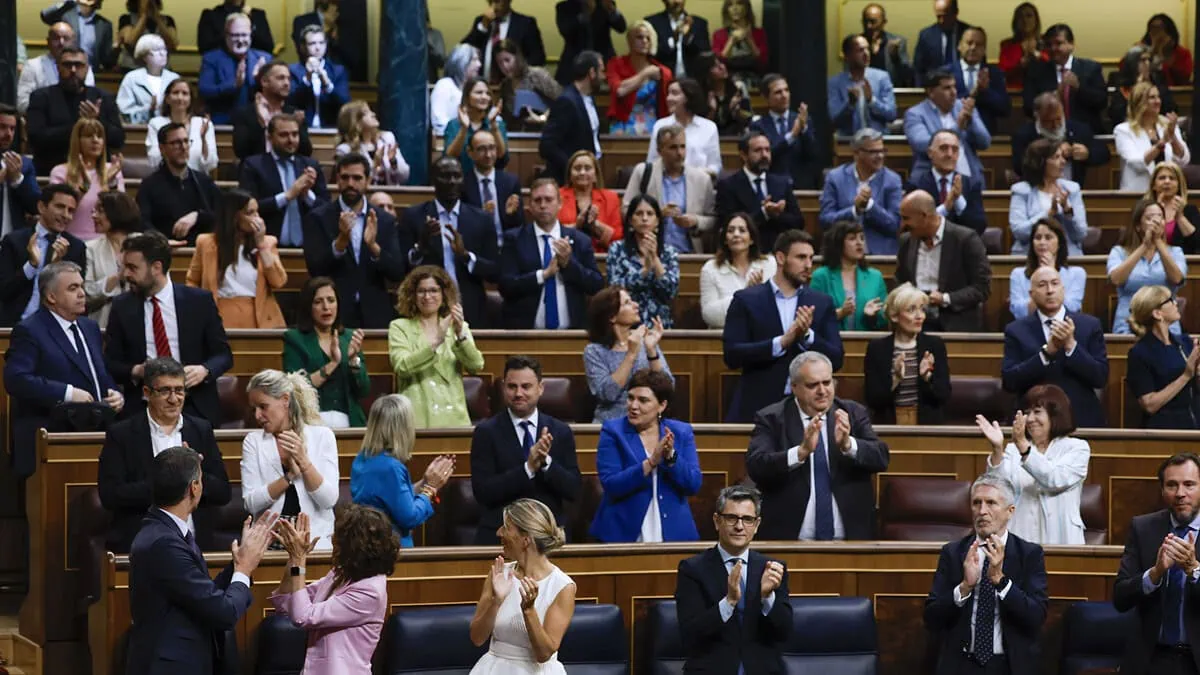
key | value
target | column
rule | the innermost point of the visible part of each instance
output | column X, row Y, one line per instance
column 403, row 81
column 8, row 51
column 802, row 60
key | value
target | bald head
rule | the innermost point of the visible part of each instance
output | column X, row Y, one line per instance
column 1046, row 290
column 60, row 35
column 918, row 214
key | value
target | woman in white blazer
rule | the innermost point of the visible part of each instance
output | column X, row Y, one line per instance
column 141, row 90
column 1045, row 465
column 1146, row 138
column 1046, row 194
column 739, row 263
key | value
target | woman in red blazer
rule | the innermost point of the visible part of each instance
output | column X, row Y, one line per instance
column 587, row 205
column 636, row 79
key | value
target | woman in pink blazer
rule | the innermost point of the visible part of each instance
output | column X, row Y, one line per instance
column 344, row 611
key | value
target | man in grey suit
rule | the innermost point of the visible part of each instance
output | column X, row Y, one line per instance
column 685, row 193
column 94, row 31
column 946, row 261
column 889, row 51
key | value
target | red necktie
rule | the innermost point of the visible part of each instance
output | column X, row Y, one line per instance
column 161, row 344
column 942, row 190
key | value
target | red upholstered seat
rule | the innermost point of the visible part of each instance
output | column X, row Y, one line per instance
column 920, row 508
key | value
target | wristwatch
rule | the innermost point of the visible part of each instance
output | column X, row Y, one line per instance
column 1046, row 351
column 297, row 571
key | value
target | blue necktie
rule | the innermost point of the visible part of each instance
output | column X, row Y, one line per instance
column 781, row 123
column 758, row 187
column 948, row 52
column 1173, row 632
column 290, row 236
column 985, row 616
column 527, row 437
column 739, row 612
column 824, row 496
column 551, row 286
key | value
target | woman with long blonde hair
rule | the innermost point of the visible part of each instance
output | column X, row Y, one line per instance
column 1147, row 137
column 1168, row 188
column 89, row 171
column 358, row 131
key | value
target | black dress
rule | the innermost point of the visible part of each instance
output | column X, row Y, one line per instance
column 1153, row 365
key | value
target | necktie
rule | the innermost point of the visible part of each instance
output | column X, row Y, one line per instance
column 948, row 47
column 985, row 616
column 943, row 183
column 191, row 542
column 741, row 605
column 35, row 298
column 6, row 212
column 821, row 490
column 527, row 436
column 551, row 286
column 1173, row 632
column 82, row 349
column 161, row 344
column 290, row 236
column 1064, row 92
column 485, row 191
column 970, row 80
column 758, row 187
column 356, row 234
column 781, row 123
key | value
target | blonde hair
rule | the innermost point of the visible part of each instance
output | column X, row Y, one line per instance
column 1176, row 170
column 1142, row 307
column 303, row 405
column 649, row 28
column 902, row 297
column 77, row 176
column 391, row 428
column 590, row 156
column 535, row 519
column 349, row 124
column 1139, row 98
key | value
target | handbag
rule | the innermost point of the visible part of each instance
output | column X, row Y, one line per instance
column 80, row 417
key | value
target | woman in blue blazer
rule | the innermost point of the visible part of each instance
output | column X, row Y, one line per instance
column 1046, row 194
column 860, row 304
column 648, row 467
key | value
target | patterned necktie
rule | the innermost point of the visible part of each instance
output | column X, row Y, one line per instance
column 527, row 437
column 161, row 344
column 550, row 297
column 823, row 493
column 1173, row 632
column 985, row 616
column 970, row 80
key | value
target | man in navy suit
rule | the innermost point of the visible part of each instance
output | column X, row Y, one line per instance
column 522, row 452
column 865, row 191
column 731, row 602
column 793, row 143
column 682, row 38
column 768, row 198
column 547, row 271
column 586, row 25
column 769, row 324
column 937, row 43
column 180, row 613
column 227, row 75
column 54, row 357
column 1054, row 346
column 26, row 250
column 19, row 191
column 457, row 237
column 574, row 123
column 499, row 22
column 158, row 318
column 287, row 186
column 497, row 192
column 1050, row 122
column 320, row 86
column 251, row 121
column 1079, row 82
column 989, row 592
column 358, row 246
column 979, row 80
column 959, row 197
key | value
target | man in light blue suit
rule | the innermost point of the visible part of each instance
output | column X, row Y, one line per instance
column 867, row 192
column 861, row 96
column 943, row 110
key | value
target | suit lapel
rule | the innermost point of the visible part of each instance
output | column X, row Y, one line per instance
column 831, row 451
column 944, row 264
column 183, row 326
column 65, row 344
column 793, row 425
column 141, row 444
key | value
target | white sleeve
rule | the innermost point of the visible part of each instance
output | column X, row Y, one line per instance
column 325, row 457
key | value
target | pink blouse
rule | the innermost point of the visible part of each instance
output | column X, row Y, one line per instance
column 343, row 628
column 82, row 225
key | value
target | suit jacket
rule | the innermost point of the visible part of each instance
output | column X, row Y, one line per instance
column 608, row 211
column 250, row 137
column 1022, row 611
column 736, row 193
column 218, row 82
column 180, row 613
column 880, row 221
column 1025, row 210
column 344, row 620
column 964, row 273
column 627, row 489
column 40, row 363
column 52, row 115
column 931, row 395
column 923, row 120
column 522, row 29
column 785, row 491
column 519, row 264
column 1077, row 132
column 970, row 215
column 568, row 130
column 928, row 54
column 478, row 235
column 868, row 285
column 329, row 103
column 362, row 285
column 701, row 198
column 880, row 110
column 582, row 31
column 203, row 273
column 796, row 157
column 751, row 324
column 16, row 289
column 163, row 199
column 993, row 102
column 504, row 185
column 210, row 30
column 755, row 642
column 259, row 175
column 103, row 56
column 1079, row 375
column 1086, row 103
column 1146, row 533
column 498, row 476
column 201, row 342
column 124, row 478
column 694, row 44
column 894, row 60
column 350, row 49
column 23, row 199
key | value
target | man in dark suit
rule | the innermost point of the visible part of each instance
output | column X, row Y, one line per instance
column 181, row 322
column 936, row 44
column 457, row 237
column 25, row 251
column 497, row 192
column 53, row 112
column 989, row 592
column 768, row 198
column 793, row 143
column 832, row 496
column 287, row 186
column 769, row 324
column 1158, row 576
column 54, row 357
column 320, row 85
column 228, row 75
column 499, row 22
column 180, row 613
column 959, row 197
column 99, row 47
column 358, row 246
column 348, row 46
column 732, row 603
column 889, row 51
column 574, row 123
column 1079, row 82
column 522, row 452
column 585, row 25
column 547, row 271
column 976, row 79
column 176, row 200
column 946, row 261
column 1054, row 346
column 1050, row 122
column 251, row 121
column 682, row 38
column 19, row 191
column 210, row 30
column 131, row 445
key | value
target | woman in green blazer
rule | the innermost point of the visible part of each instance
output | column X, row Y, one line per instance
column 332, row 357
column 429, row 346
column 858, row 291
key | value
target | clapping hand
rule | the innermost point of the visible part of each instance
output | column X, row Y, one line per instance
column 115, row 400
column 456, row 319
column 964, row 115
column 972, row 568
column 356, row 342
column 58, row 249
column 955, row 191
column 991, row 431
column 773, row 209
column 801, row 122
column 653, row 335
column 295, row 446
column 512, row 204
column 501, row 582
column 1193, row 358
column 925, row 370
column 841, row 430
column 755, row 277
column 812, row 436
column 862, row 197
column 994, row 548
column 540, row 451
column 464, row 119
column 335, row 350
column 439, row 471
column 457, row 245
column 771, row 579
column 529, row 593
column 295, row 538
column 256, row 536
column 898, row 368
column 562, row 251
column 12, row 166
column 89, row 109
column 635, row 338
column 872, row 308
column 1020, row 439
column 666, row 446
column 982, row 81
column 1070, row 79
column 847, row 308
column 371, row 233
column 733, row 587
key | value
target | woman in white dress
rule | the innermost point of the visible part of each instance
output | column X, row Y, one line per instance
column 1045, row 465
column 527, row 604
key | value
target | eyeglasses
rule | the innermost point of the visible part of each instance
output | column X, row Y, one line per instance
column 731, row 519
column 1168, row 300
column 167, row 392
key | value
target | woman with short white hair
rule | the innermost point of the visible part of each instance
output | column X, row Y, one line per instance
column 141, row 91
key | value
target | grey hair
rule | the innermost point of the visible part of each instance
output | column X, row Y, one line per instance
column 864, row 136
column 669, row 130
column 237, row 16
column 739, row 493
column 804, row 358
column 161, row 367
column 1044, row 99
column 458, row 62
column 1001, row 484
column 48, row 277
column 146, row 44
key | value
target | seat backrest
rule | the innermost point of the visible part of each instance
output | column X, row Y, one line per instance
column 921, row 508
column 455, row 520
column 993, row 240
column 227, row 520
column 479, row 405
column 1091, row 241
column 594, row 643
column 1094, row 636
column 1095, row 516
column 136, row 167
column 233, row 402
column 281, row 646
column 567, row 399
column 977, row 396
column 832, row 636
column 666, row 647
column 430, row 640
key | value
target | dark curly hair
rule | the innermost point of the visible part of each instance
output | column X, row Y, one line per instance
column 406, row 297
column 364, row 544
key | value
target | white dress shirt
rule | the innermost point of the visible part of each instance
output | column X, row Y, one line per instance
column 240, row 279
column 703, row 143
column 808, row 527
column 161, row 437
column 316, row 84
column 564, row 315
column 261, row 466
column 1066, row 67
column 66, row 328
column 727, row 608
column 198, row 160
column 718, row 284
column 166, row 305
column 652, row 522
column 960, row 600
column 533, row 429
column 501, row 27
column 929, row 261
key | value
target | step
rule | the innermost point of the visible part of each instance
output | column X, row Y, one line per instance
column 23, row 657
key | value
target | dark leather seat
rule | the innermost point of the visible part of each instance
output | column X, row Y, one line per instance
column 977, row 396
column 1091, row 242
column 1094, row 637
column 666, row 647
column 832, row 636
column 595, row 643
column 430, row 640
column 227, row 520
column 567, row 399
column 479, row 406
column 233, row 401
column 920, row 508
column 281, row 647
column 1095, row 515
column 993, row 240
column 455, row 520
